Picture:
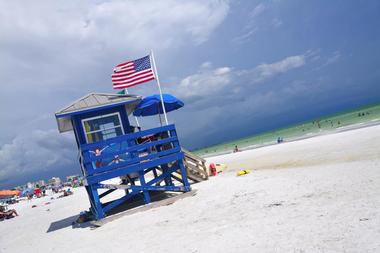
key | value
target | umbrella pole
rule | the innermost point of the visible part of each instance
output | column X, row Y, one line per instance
column 159, row 114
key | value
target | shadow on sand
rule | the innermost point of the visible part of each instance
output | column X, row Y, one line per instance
column 66, row 222
column 135, row 202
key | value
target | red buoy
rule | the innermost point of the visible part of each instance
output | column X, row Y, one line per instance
column 213, row 169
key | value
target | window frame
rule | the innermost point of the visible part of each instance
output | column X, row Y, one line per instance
column 99, row 117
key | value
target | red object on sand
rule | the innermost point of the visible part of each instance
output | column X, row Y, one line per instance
column 37, row 192
column 213, row 169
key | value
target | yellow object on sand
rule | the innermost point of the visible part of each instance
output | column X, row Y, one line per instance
column 242, row 172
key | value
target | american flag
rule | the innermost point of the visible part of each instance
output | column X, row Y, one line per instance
column 132, row 73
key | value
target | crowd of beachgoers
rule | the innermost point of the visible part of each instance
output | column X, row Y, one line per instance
column 8, row 206
column 343, row 122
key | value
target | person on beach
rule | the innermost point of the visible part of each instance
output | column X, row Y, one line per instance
column 66, row 193
column 236, row 149
column 8, row 214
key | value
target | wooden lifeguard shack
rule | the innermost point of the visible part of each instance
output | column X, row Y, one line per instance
column 110, row 148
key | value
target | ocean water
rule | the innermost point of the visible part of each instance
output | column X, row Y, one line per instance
column 299, row 131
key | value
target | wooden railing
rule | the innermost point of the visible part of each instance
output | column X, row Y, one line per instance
column 130, row 149
column 195, row 166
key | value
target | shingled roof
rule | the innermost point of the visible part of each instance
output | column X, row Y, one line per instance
column 93, row 101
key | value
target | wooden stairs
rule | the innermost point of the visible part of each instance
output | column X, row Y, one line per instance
column 195, row 167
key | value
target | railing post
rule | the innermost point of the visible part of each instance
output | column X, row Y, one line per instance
column 143, row 184
column 184, row 175
column 95, row 202
column 173, row 133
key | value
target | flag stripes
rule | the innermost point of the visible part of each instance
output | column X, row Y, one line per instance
column 132, row 73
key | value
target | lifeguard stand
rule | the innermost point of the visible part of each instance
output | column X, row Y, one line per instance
column 110, row 148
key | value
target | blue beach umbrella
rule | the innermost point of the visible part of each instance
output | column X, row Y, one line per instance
column 152, row 105
column 26, row 192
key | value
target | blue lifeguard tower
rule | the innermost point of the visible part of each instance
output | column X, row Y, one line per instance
column 114, row 155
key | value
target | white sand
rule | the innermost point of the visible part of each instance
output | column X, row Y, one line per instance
column 315, row 195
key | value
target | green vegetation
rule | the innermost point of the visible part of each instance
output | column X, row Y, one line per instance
column 362, row 115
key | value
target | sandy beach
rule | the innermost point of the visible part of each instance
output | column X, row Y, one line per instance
column 314, row 195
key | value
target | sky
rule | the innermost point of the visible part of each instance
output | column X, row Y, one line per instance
column 241, row 67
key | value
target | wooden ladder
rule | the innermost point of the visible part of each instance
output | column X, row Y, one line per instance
column 195, row 166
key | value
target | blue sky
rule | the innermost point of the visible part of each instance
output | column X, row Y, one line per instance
column 241, row 67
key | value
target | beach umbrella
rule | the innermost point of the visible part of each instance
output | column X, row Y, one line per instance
column 9, row 193
column 152, row 105
column 26, row 192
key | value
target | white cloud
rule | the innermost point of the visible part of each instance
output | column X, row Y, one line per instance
column 276, row 22
column 210, row 80
column 250, row 27
column 206, row 65
column 245, row 37
column 257, row 20
column 334, row 58
column 135, row 25
column 35, row 152
column 266, row 71
column 260, row 8
column 206, row 81
column 261, row 19
column 54, row 43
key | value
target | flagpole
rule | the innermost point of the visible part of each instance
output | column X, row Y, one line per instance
column 137, row 121
column 159, row 86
